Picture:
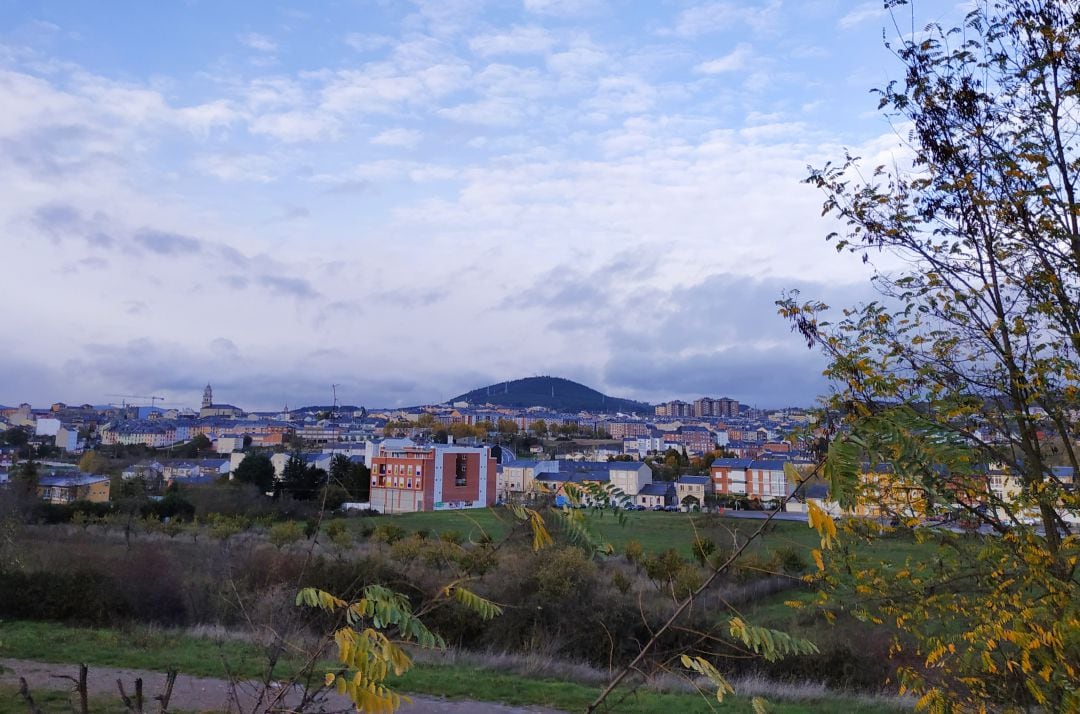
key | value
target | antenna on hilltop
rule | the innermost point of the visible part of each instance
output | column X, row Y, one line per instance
column 333, row 411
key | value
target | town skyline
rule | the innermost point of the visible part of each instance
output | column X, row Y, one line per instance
column 691, row 406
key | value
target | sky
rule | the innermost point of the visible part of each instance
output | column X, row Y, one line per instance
column 411, row 199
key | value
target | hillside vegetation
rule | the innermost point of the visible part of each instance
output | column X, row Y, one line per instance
column 553, row 393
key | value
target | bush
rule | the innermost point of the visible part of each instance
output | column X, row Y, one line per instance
column 791, row 560
column 702, row 548
column 454, row 537
column 387, row 533
column 282, row 534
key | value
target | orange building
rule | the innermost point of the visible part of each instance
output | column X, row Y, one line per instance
column 407, row 478
column 753, row 478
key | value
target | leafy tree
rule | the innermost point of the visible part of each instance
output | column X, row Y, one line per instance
column 507, row 427
column 339, row 469
column 24, row 477
column 354, row 478
column 258, row 470
column 971, row 357
column 14, row 436
column 301, row 480
column 539, row 427
column 93, row 462
column 199, row 445
column 425, row 420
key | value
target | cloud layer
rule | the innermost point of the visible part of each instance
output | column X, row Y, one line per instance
column 412, row 200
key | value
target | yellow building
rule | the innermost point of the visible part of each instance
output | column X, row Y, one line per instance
column 77, row 487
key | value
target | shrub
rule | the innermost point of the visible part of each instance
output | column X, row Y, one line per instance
column 791, row 560
column 387, row 533
column 702, row 548
column 634, row 551
column 338, row 533
column 284, row 533
column 454, row 537
column 662, row 568
column 686, row 581
column 621, row 582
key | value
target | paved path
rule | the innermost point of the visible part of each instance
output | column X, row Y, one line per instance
column 211, row 695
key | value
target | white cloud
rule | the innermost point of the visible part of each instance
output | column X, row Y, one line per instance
column 236, row 167
column 383, row 87
column 404, row 138
column 366, row 42
column 564, row 8
column 495, row 111
column 296, row 126
column 258, row 42
column 710, row 17
column 732, row 61
column 622, row 94
column 578, row 62
column 516, row 40
column 862, row 13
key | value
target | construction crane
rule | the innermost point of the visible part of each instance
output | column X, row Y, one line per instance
column 153, row 399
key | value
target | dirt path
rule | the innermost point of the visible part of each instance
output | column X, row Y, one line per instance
column 212, row 695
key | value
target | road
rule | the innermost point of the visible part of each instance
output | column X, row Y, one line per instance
column 212, row 695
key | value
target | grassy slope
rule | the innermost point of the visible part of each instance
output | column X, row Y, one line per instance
column 656, row 531
column 157, row 650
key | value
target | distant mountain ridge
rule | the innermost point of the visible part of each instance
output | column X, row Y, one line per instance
column 553, row 393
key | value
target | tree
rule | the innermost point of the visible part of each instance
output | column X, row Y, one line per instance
column 15, row 436
column 301, row 480
column 258, row 470
column 539, row 427
column 507, row 427
column 93, row 462
column 354, row 478
column 972, row 357
column 425, row 420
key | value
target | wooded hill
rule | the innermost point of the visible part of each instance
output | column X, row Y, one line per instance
column 551, row 392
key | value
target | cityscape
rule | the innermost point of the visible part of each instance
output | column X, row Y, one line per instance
column 562, row 447
column 540, row 356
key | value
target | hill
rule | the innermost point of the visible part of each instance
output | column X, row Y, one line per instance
column 551, row 392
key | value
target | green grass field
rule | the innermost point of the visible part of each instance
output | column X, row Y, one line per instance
column 159, row 650
column 656, row 531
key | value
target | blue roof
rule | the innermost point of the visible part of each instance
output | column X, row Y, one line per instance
column 657, row 488
column 695, row 480
column 79, row 479
column 731, row 463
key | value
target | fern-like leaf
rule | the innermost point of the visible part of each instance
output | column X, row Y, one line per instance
column 773, row 645
column 705, row 668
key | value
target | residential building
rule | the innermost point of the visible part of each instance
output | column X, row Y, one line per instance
column 658, row 494
column 691, row 490
column 439, row 477
column 515, row 479
column 753, row 478
column 71, row 488
column 626, row 429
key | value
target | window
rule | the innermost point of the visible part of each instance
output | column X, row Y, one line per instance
column 461, row 470
column 408, row 483
column 417, row 484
